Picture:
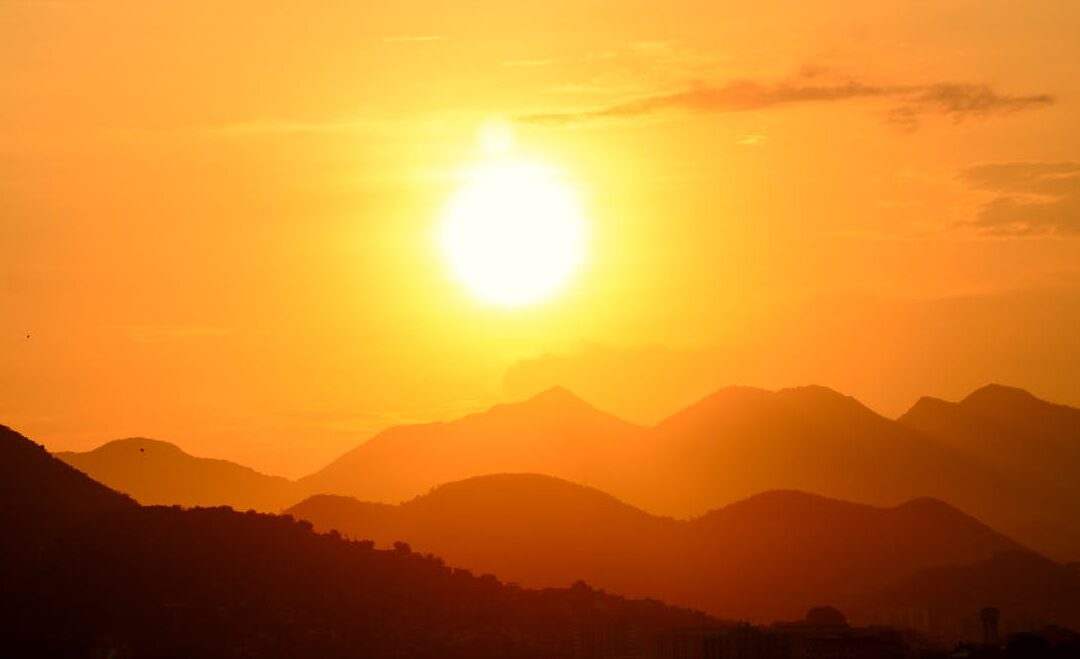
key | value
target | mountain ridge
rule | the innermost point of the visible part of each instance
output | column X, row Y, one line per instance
column 1036, row 441
column 542, row 531
column 730, row 445
column 158, row 472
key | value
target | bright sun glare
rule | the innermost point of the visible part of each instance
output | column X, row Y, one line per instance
column 515, row 232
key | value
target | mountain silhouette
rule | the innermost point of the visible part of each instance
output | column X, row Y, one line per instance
column 42, row 497
column 554, row 433
column 741, row 441
column 531, row 529
column 1002, row 455
column 88, row 572
column 769, row 557
column 738, row 442
column 1036, row 441
column 156, row 472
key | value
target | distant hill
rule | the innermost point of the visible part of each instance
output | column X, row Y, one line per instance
column 769, row 557
column 1001, row 455
column 156, row 472
column 554, row 433
column 1010, row 427
column 731, row 445
column 87, row 572
column 534, row 530
column 741, row 441
column 1036, row 441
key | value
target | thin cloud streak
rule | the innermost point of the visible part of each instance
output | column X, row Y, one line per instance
column 1032, row 198
column 957, row 101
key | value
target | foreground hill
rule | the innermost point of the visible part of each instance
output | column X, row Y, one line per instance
column 1037, row 441
column 42, row 498
column 155, row 472
column 769, row 557
column 87, row 572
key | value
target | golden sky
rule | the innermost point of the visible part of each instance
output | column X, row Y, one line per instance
column 217, row 219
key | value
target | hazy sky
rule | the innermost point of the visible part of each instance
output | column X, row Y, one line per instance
column 217, row 218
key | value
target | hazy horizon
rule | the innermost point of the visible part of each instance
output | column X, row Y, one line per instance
column 582, row 329
column 300, row 470
column 226, row 226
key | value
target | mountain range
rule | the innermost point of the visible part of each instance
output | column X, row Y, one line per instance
column 88, row 572
column 770, row 557
column 1000, row 454
column 1035, row 441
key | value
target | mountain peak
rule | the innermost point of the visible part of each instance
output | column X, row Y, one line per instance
column 139, row 445
column 770, row 502
column 730, row 402
column 821, row 396
column 557, row 400
column 504, row 483
column 998, row 394
column 157, row 472
column 521, row 497
column 558, row 395
column 928, row 505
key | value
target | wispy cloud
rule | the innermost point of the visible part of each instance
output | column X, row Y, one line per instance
column 1031, row 198
column 959, row 101
column 911, row 103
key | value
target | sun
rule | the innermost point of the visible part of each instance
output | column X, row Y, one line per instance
column 514, row 233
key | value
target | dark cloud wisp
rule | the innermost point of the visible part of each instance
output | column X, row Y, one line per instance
column 957, row 101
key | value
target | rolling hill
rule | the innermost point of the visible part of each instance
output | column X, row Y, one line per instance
column 769, row 557
column 741, row 441
column 159, row 473
column 1002, row 455
column 554, row 433
column 1037, row 441
column 731, row 445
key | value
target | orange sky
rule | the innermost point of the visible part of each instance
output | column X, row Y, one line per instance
column 216, row 219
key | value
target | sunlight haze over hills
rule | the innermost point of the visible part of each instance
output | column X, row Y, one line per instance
column 579, row 329
column 218, row 222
